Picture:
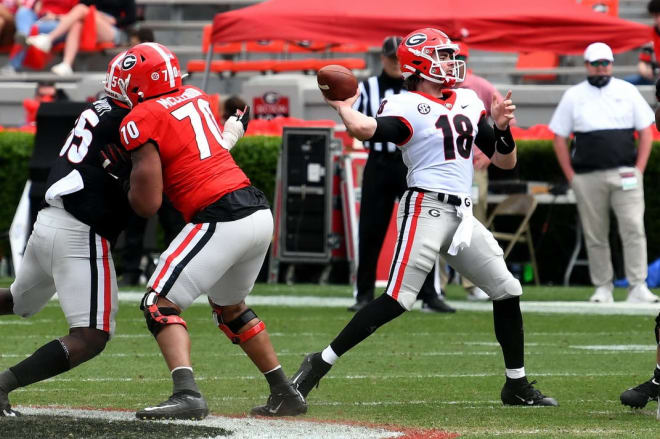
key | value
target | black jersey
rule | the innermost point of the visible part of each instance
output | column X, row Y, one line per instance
column 78, row 183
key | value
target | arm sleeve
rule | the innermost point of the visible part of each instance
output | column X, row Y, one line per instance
column 391, row 129
column 485, row 140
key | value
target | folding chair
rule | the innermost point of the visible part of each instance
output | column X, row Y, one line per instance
column 518, row 205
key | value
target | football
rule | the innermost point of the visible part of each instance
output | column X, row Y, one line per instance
column 337, row 83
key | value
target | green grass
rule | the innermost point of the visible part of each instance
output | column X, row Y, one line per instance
column 421, row 370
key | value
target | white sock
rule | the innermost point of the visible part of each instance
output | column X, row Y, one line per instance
column 329, row 356
column 515, row 373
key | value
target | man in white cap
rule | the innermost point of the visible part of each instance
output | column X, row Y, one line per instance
column 606, row 170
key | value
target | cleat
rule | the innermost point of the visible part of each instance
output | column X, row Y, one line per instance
column 5, row 407
column 436, row 304
column 310, row 372
column 638, row 397
column 522, row 392
column 285, row 400
column 181, row 405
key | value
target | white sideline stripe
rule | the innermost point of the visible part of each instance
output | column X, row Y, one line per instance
column 567, row 307
column 241, row 428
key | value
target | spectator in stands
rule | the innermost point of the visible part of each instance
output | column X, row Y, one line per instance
column 605, row 170
column 383, row 182
column 140, row 35
column 7, row 28
column 648, row 58
column 110, row 17
column 45, row 14
column 45, row 91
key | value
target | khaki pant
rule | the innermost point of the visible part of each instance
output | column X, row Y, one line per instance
column 596, row 193
column 480, row 209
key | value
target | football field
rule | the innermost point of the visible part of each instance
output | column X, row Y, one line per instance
column 422, row 375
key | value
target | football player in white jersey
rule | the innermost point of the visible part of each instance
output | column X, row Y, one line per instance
column 436, row 126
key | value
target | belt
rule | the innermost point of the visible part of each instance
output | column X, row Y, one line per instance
column 454, row 200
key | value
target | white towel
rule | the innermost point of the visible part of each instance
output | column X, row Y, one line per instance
column 463, row 235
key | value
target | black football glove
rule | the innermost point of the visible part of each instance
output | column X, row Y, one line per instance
column 235, row 127
column 657, row 89
column 116, row 162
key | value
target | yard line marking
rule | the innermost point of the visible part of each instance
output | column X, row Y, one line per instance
column 617, row 347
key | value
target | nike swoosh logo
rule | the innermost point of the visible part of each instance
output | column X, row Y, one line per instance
column 159, row 407
column 503, row 141
column 276, row 409
column 295, row 379
column 530, row 402
column 465, row 106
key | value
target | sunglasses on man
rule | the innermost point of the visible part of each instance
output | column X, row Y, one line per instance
column 600, row 62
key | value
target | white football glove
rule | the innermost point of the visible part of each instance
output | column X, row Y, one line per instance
column 235, row 127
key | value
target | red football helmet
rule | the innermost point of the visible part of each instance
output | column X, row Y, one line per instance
column 148, row 70
column 112, row 78
column 419, row 54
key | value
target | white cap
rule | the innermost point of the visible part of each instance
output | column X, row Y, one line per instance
column 596, row 51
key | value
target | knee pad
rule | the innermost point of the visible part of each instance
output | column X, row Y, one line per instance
column 657, row 329
column 158, row 317
column 231, row 328
column 506, row 290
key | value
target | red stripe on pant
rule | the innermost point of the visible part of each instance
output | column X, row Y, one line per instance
column 409, row 243
column 174, row 254
column 107, row 288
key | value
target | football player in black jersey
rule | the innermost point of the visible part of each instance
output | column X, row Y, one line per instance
column 69, row 248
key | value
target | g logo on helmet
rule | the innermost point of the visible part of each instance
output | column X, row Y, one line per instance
column 128, row 62
column 467, row 202
column 415, row 40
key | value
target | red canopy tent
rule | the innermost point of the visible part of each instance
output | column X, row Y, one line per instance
column 562, row 26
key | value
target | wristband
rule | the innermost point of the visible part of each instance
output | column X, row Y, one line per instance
column 504, row 143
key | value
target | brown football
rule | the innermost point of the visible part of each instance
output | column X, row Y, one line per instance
column 337, row 83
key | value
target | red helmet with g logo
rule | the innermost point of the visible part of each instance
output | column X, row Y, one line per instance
column 420, row 54
column 148, row 70
column 112, row 78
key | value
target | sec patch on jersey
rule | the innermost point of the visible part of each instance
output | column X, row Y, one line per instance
column 337, row 83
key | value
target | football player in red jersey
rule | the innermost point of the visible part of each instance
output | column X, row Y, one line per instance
column 69, row 248
column 176, row 147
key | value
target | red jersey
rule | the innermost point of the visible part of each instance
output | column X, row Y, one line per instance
column 197, row 169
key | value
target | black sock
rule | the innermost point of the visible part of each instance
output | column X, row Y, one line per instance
column 276, row 377
column 49, row 360
column 365, row 322
column 184, row 381
column 509, row 331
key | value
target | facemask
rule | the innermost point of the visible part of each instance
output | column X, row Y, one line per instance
column 599, row 80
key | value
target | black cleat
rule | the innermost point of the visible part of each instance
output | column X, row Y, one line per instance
column 310, row 372
column 5, row 407
column 638, row 397
column 285, row 400
column 357, row 306
column 181, row 405
column 436, row 304
column 521, row 392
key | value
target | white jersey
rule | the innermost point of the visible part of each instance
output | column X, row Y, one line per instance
column 439, row 152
